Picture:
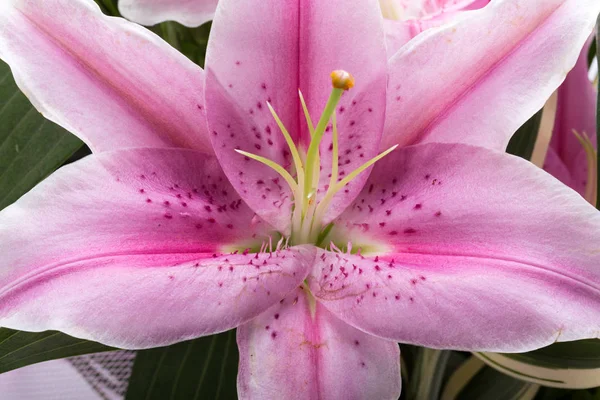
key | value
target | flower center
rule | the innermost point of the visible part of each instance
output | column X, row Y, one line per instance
column 308, row 213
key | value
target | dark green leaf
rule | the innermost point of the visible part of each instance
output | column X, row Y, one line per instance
column 591, row 52
column 31, row 147
column 546, row 393
column 109, row 7
column 204, row 368
column 523, row 141
column 19, row 349
column 489, row 384
column 191, row 42
column 580, row 354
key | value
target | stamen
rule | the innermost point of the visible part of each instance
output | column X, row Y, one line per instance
column 340, row 185
column 591, row 191
column 289, row 141
column 309, row 122
column 308, row 212
column 272, row 164
column 335, row 153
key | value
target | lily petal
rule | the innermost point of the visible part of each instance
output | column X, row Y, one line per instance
column 400, row 32
column 141, row 93
column 576, row 110
column 127, row 248
column 489, row 88
column 352, row 39
column 555, row 166
column 299, row 350
column 478, row 250
column 187, row 12
column 242, row 77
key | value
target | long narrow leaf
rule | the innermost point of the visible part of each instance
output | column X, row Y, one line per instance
column 204, row 368
column 31, row 147
column 19, row 349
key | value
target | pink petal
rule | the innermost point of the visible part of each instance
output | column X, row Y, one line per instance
column 187, row 12
column 398, row 33
column 490, row 86
column 576, row 111
column 130, row 248
column 478, row 250
column 241, row 78
column 289, row 352
column 112, row 83
column 246, row 38
column 337, row 35
column 555, row 166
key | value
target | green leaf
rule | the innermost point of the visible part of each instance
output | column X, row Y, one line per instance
column 591, row 53
column 204, row 368
column 19, row 349
column 426, row 380
column 489, row 384
column 523, row 141
column 569, row 365
column 580, row 354
column 31, row 147
column 191, row 42
column 109, row 7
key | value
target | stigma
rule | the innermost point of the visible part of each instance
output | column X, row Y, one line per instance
column 309, row 212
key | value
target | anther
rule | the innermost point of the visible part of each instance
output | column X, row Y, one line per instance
column 341, row 79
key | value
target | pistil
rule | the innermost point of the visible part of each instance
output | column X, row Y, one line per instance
column 308, row 214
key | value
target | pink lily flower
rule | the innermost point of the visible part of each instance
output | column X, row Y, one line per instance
column 150, row 12
column 571, row 156
column 167, row 232
column 405, row 19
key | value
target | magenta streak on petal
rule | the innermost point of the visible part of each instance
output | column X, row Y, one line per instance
column 147, row 301
column 45, row 271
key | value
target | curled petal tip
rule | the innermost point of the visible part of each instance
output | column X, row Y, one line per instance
column 341, row 79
